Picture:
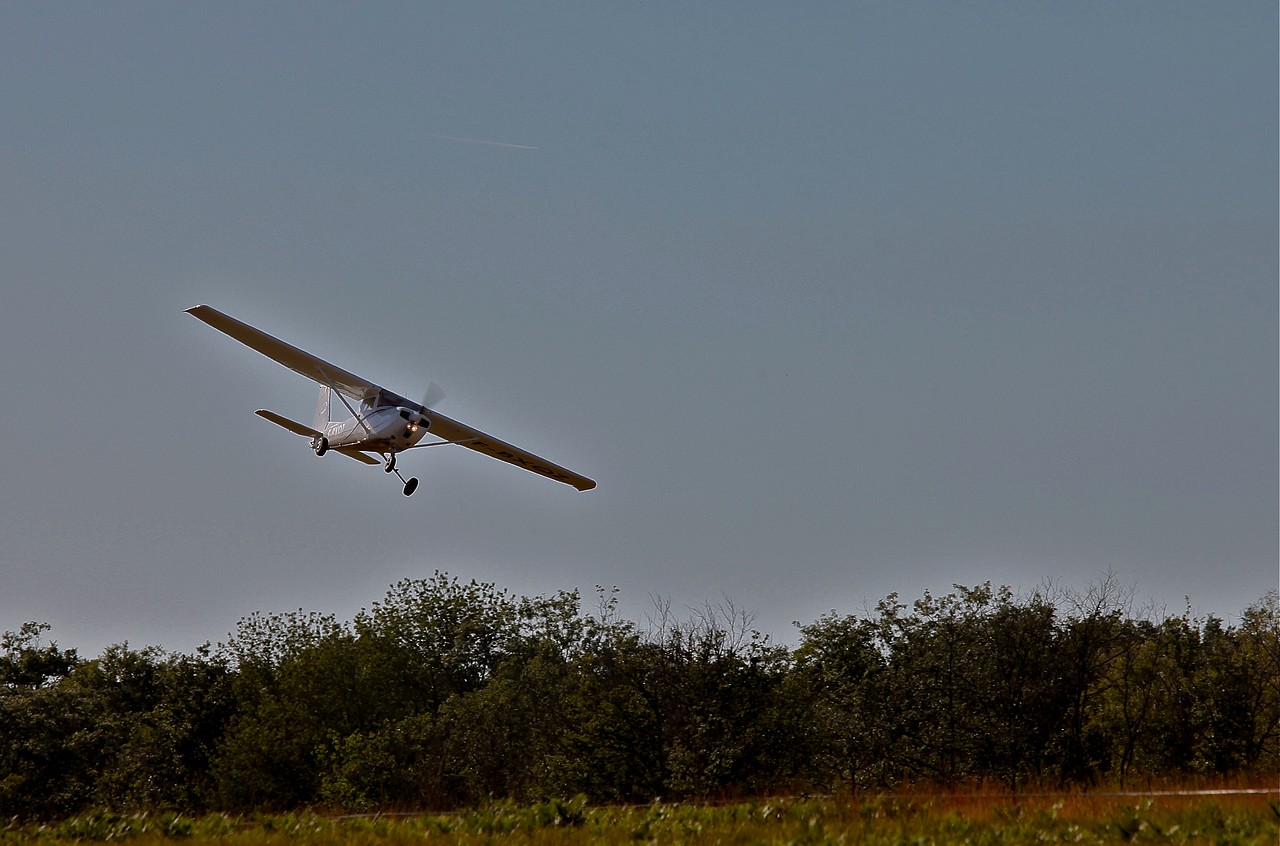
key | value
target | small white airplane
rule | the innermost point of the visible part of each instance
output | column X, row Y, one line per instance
column 385, row 424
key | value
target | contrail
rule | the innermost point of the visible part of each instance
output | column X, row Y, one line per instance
column 481, row 141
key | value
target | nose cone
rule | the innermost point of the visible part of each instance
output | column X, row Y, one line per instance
column 413, row 418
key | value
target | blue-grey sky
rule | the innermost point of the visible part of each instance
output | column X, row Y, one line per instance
column 833, row 300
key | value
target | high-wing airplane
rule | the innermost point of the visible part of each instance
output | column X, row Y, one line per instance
column 385, row 423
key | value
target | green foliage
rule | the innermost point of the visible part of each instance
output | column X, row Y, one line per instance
column 875, row 822
column 386, row 767
column 27, row 664
column 47, row 748
column 129, row 730
column 447, row 695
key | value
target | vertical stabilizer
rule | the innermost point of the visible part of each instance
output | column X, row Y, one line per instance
column 321, row 420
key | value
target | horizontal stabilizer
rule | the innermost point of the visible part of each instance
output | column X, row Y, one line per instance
column 292, row 425
column 358, row 456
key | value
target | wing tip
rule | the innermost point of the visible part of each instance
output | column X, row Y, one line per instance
column 204, row 313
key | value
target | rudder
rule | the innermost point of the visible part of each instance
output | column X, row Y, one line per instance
column 321, row 420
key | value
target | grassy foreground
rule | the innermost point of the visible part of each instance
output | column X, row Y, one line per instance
column 1084, row 819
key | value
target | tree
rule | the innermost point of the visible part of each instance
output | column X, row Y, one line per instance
column 26, row 663
column 837, row 681
column 1090, row 641
column 46, row 764
column 292, row 685
column 1022, row 703
column 1241, row 690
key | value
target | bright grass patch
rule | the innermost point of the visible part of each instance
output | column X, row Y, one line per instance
column 977, row 818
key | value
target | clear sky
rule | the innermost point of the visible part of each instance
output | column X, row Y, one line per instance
column 833, row 300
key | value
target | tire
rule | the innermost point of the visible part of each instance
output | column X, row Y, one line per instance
column 323, row 446
column 410, row 486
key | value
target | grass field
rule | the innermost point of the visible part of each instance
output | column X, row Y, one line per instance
column 946, row 819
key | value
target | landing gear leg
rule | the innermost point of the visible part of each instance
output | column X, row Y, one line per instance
column 410, row 485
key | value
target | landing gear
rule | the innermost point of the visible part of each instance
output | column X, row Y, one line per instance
column 389, row 466
column 322, row 446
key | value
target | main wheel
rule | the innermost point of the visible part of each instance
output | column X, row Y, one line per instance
column 410, row 486
column 323, row 446
column 390, row 466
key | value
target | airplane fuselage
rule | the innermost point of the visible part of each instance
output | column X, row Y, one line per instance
column 387, row 429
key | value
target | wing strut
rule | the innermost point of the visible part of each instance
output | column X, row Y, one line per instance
column 354, row 413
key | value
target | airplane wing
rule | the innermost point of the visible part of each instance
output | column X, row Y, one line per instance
column 318, row 370
column 461, row 434
column 299, row 361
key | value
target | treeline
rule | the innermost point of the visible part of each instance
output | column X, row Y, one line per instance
column 447, row 694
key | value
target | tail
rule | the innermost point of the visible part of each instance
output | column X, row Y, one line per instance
column 321, row 420
column 292, row 425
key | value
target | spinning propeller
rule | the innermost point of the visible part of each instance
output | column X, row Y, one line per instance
column 433, row 397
